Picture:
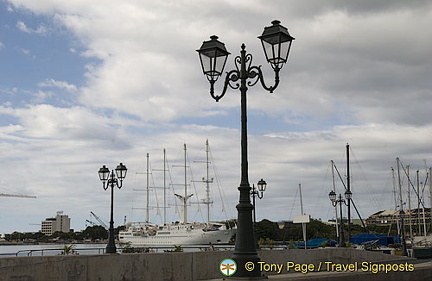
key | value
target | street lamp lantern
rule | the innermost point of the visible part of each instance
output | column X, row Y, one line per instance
column 121, row 171
column 104, row 174
column 348, row 195
column 213, row 56
column 110, row 180
column 262, row 185
column 276, row 42
column 340, row 201
column 332, row 196
column 257, row 193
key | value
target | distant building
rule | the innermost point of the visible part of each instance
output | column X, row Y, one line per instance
column 413, row 216
column 60, row 223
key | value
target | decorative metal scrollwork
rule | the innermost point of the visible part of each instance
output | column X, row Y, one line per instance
column 244, row 70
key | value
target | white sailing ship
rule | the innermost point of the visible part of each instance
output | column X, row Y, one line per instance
column 182, row 232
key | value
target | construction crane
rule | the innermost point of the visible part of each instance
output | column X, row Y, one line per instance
column 99, row 220
column 16, row 195
column 92, row 223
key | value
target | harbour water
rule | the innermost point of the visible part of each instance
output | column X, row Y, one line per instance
column 88, row 249
column 49, row 249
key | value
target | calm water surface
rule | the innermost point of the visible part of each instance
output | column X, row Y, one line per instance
column 84, row 249
column 48, row 249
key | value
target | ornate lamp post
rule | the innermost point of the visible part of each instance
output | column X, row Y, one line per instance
column 340, row 201
column 109, row 180
column 276, row 42
column 258, row 193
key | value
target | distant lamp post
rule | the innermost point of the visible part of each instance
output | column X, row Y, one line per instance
column 403, row 239
column 340, row 201
column 262, row 185
column 110, row 180
column 276, row 42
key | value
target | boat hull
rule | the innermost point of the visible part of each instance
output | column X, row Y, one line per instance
column 178, row 236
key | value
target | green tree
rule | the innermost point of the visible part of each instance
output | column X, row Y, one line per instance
column 95, row 233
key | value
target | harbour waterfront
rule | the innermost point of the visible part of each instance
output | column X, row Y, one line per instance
column 22, row 250
column 25, row 250
column 206, row 265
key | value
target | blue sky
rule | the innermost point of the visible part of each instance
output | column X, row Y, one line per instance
column 91, row 83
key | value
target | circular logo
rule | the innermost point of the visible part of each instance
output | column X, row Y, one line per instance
column 228, row 267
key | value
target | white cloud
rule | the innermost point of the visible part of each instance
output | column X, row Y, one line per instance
column 52, row 83
column 41, row 29
column 25, row 51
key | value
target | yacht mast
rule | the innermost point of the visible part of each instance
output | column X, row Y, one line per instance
column 401, row 211
column 395, row 198
column 430, row 195
column 185, row 187
column 164, row 183
column 302, row 213
column 334, row 189
column 148, row 193
column 183, row 217
column 207, row 180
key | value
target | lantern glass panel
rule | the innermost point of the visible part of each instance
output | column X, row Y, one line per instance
column 103, row 173
column 332, row 196
column 121, row 171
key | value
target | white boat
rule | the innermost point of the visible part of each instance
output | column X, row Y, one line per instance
column 179, row 233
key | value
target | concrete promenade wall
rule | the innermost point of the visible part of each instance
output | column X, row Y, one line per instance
column 166, row 266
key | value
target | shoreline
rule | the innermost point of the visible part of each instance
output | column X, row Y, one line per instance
column 6, row 243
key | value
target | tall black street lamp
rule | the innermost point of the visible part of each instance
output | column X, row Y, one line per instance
column 276, row 42
column 109, row 179
column 262, row 185
column 340, row 201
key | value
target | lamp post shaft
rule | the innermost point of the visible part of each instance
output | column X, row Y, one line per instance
column 342, row 236
column 245, row 246
column 111, row 247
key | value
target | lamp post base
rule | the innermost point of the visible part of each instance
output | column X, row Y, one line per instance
column 111, row 249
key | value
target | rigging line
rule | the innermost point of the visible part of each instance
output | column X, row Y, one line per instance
column 219, row 185
column 384, row 195
column 409, row 180
column 352, row 201
column 194, row 185
column 364, row 179
column 133, row 198
column 171, row 185
column 324, row 182
column 158, row 213
column 293, row 205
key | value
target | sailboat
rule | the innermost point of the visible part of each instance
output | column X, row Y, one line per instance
column 179, row 233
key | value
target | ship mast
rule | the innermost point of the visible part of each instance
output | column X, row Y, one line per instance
column 401, row 211
column 207, row 181
column 186, row 197
column 148, row 193
column 334, row 189
column 164, row 183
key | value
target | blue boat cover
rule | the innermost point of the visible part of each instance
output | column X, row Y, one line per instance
column 374, row 238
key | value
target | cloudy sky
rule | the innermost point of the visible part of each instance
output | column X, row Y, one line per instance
column 91, row 83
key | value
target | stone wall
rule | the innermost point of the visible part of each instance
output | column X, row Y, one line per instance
column 163, row 266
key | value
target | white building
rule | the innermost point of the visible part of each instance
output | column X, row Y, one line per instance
column 60, row 223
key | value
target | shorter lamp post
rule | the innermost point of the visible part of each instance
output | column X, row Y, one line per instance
column 403, row 240
column 258, row 193
column 110, row 180
column 340, row 201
